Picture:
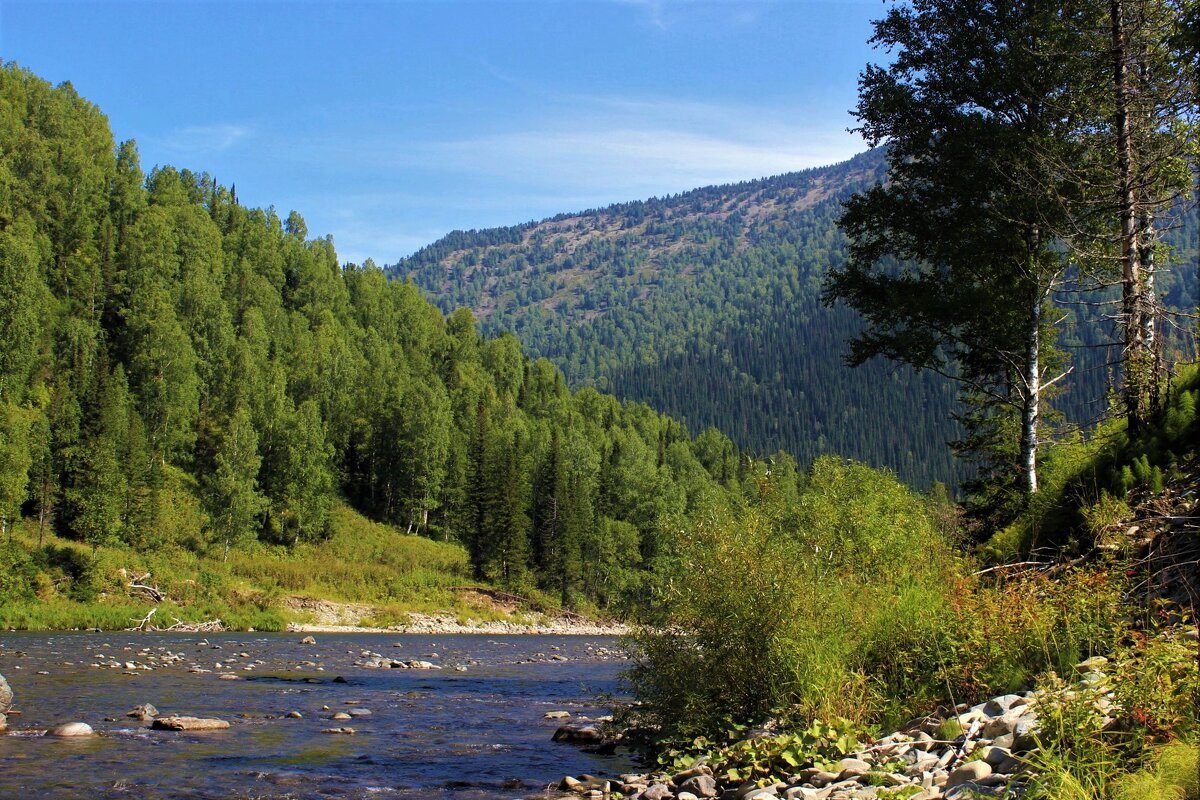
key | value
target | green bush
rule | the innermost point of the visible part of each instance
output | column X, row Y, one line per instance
column 774, row 607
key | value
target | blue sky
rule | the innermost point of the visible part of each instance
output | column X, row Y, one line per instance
column 389, row 124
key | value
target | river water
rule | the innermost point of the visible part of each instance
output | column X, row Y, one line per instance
column 473, row 733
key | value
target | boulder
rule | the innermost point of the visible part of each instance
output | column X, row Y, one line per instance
column 189, row 724
column 71, row 729
column 557, row 715
column 308, row 640
column 6, row 695
column 586, row 733
column 359, row 712
column 699, row 785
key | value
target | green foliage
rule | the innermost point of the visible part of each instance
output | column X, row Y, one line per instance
column 773, row 608
column 187, row 372
column 763, row 757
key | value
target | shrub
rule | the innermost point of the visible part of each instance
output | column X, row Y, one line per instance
column 773, row 607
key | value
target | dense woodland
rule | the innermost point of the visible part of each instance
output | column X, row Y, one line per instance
column 708, row 306
column 180, row 370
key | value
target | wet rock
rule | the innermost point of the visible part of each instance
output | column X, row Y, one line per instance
column 359, row 712
column 6, row 695
column 71, row 729
column 340, row 716
column 308, row 640
column 143, row 712
column 347, row 731
column 557, row 715
column 189, row 724
column 294, row 715
column 3, row 723
column 585, row 733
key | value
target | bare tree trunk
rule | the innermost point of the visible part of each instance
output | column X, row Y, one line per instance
column 1031, row 398
column 1133, row 348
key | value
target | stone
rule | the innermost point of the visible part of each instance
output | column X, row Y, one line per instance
column 1025, row 733
column 852, row 768
column 656, row 791
column 359, row 712
column 700, row 769
column 999, row 706
column 805, row 793
column 681, row 795
column 557, row 715
column 308, row 640
column 3, row 723
column 822, row 778
column 968, row 773
column 143, row 711
column 700, row 785
column 346, row 731
column 1000, row 726
column 340, row 716
column 189, row 724
column 294, row 715
column 586, row 733
column 71, row 729
column 6, row 695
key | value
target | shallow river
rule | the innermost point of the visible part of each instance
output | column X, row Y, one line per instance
column 446, row 734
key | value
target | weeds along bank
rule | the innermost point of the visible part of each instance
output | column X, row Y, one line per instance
column 847, row 608
column 51, row 583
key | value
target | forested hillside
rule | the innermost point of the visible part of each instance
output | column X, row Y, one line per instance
column 180, row 371
column 707, row 305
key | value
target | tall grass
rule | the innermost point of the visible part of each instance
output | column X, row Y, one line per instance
column 58, row 585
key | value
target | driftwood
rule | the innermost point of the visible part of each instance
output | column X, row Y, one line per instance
column 144, row 624
column 212, row 626
column 153, row 592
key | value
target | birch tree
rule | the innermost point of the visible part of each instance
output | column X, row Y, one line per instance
column 953, row 262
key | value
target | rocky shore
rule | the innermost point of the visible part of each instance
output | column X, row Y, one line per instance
column 990, row 756
column 333, row 617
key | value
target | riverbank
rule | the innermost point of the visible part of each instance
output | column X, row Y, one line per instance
column 491, row 617
column 1010, row 745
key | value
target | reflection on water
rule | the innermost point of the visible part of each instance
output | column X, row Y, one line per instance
column 470, row 731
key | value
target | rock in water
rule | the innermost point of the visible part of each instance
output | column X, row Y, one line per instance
column 143, row 711
column 308, row 640
column 579, row 733
column 6, row 695
column 3, row 723
column 189, row 724
column 71, row 729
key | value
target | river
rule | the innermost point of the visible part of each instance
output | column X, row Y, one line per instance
column 473, row 730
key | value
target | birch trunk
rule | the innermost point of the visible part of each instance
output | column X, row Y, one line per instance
column 1031, row 398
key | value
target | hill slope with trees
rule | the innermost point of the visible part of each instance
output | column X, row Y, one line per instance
column 707, row 305
column 181, row 372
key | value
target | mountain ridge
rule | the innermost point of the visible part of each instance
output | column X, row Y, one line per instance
column 705, row 304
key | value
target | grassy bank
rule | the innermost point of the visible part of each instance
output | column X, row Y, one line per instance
column 51, row 583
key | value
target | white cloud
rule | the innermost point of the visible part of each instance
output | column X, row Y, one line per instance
column 196, row 140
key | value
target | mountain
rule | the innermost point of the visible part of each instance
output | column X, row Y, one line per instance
column 706, row 305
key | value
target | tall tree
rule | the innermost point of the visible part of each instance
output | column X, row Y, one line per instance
column 968, row 109
column 235, row 502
